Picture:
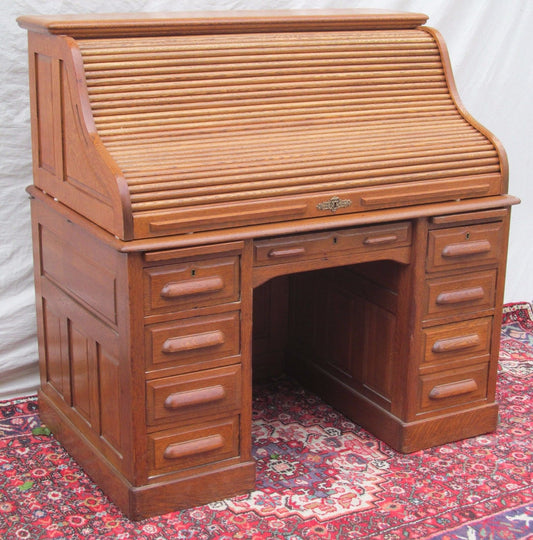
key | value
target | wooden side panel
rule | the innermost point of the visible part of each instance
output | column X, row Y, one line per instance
column 46, row 70
column 79, row 170
column 83, row 383
column 69, row 161
column 111, row 391
column 57, row 365
column 86, row 369
column 86, row 278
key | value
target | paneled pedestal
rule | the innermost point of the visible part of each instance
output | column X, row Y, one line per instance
column 147, row 355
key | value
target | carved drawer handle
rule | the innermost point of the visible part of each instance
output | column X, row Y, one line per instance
column 464, row 295
column 176, row 289
column 443, row 391
column 190, row 448
column 378, row 240
column 463, row 249
column 288, row 252
column 195, row 397
column 455, row 344
column 192, row 343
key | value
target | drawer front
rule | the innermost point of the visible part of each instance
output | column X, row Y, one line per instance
column 457, row 342
column 191, row 285
column 202, row 393
column 463, row 247
column 331, row 244
column 450, row 388
column 460, row 294
column 190, row 342
column 194, row 445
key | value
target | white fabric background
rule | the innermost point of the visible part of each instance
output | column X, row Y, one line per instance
column 491, row 48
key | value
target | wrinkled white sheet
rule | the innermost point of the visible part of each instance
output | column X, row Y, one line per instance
column 491, row 48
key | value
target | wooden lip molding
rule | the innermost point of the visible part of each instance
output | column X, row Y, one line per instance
column 221, row 22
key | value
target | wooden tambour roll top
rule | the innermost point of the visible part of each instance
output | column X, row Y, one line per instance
column 181, row 123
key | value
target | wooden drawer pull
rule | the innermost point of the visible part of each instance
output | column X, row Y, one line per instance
column 176, row 289
column 463, row 249
column 463, row 295
column 192, row 343
column 195, row 397
column 443, row 391
column 288, row 252
column 455, row 344
column 191, row 448
column 379, row 240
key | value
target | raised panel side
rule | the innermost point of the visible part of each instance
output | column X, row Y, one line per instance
column 84, row 336
column 79, row 266
column 56, row 361
column 84, row 383
column 47, row 123
column 70, row 163
column 110, row 395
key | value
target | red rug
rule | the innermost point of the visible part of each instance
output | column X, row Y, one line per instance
column 319, row 475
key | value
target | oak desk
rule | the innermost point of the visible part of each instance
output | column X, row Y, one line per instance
column 221, row 194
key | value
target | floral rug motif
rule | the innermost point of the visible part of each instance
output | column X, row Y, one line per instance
column 319, row 476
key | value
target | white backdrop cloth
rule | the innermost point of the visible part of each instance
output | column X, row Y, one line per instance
column 491, row 47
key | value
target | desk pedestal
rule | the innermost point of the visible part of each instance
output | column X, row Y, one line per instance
column 147, row 352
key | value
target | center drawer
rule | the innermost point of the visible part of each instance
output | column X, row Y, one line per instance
column 331, row 243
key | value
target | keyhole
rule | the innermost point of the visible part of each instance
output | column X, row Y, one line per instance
column 334, row 239
column 193, row 272
column 468, row 236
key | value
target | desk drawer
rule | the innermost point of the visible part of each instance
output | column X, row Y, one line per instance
column 331, row 243
column 191, row 284
column 457, row 342
column 462, row 247
column 193, row 445
column 190, row 342
column 454, row 387
column 460, row 294
column 184, row 397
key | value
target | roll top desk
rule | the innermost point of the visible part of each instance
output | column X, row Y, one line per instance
column 304, row 189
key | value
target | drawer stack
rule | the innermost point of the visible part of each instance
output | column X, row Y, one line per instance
column 192, row 342
column 461, row 288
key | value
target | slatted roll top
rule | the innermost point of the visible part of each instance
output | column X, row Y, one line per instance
column 196, row 120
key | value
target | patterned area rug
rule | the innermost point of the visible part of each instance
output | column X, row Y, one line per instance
column 319, row 475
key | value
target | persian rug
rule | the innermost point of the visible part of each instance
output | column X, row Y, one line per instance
column 319, row 475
